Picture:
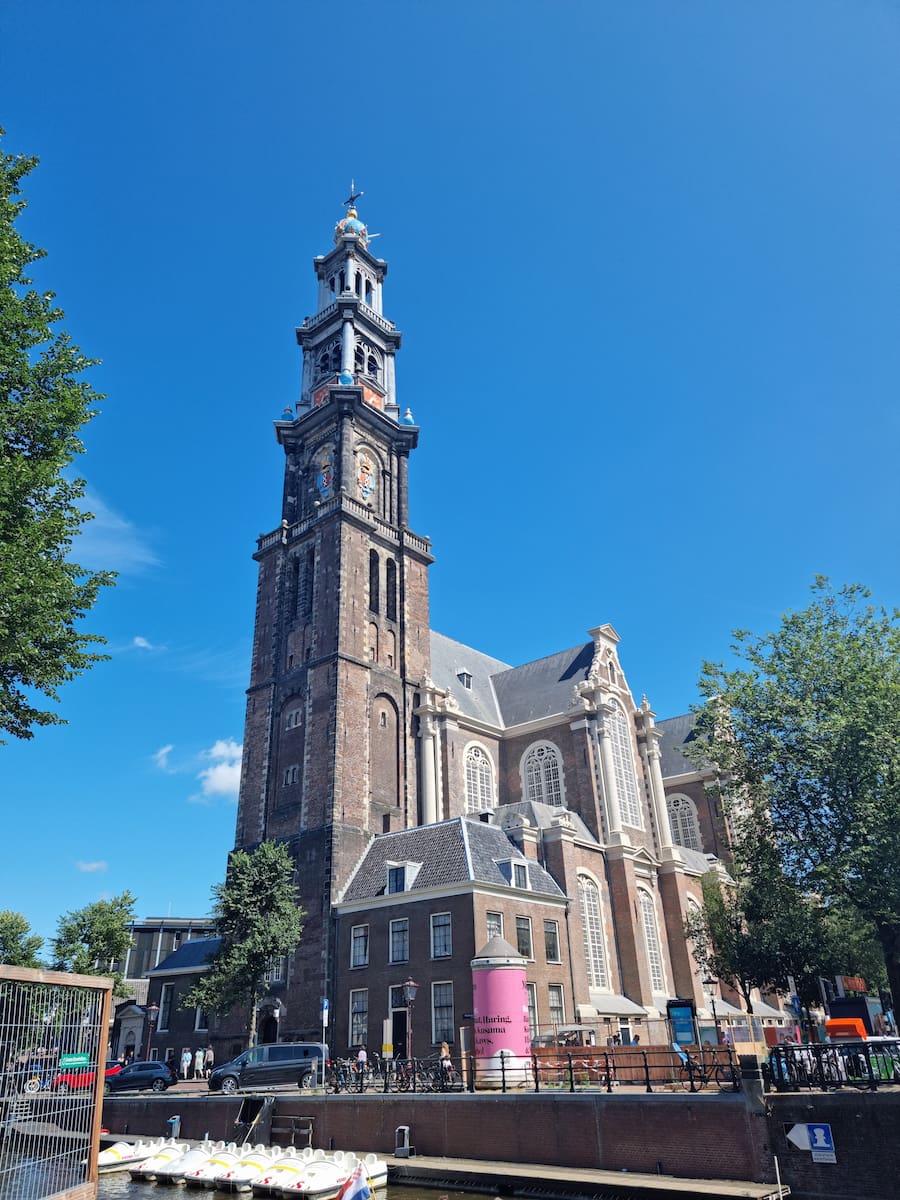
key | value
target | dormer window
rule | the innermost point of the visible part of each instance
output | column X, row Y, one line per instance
column 401, row 876
column 465, row 679
column 515, row 873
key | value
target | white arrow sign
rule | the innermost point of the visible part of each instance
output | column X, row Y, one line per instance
column 798, row 1135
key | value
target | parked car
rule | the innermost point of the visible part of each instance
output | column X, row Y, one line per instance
column 140, row 1075
column 300, row 1063
column 70, row 1081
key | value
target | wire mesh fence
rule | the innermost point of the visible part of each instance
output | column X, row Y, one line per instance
column 53, row 1038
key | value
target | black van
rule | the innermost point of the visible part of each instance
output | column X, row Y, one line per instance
column 302, row 1063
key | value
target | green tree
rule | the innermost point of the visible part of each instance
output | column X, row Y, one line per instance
column 91, row 940
column 257, row 916
column 810, row 728
column 43, row 406
column 756, row 929
column 19, row 947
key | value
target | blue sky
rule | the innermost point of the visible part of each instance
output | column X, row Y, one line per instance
column 645, row 257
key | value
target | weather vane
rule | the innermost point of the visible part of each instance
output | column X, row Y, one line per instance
column 354, row 195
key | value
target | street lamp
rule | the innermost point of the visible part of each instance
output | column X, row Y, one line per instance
column 410, row 990
column 152, row 1014
column 711, row 983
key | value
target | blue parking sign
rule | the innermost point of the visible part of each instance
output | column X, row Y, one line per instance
column 821, row 1143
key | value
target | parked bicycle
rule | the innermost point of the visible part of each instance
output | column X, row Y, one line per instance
column 694, row 1073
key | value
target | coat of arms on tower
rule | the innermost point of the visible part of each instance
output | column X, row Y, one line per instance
column 365, row 474
column 325, row 475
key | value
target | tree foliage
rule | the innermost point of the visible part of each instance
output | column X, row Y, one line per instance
column 90, row 940
column 43, row 406
column 256, row 914
column 756, row 930
column 19, row 947
column 810, row 728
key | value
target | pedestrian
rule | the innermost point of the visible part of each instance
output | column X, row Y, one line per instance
column 362, row 1059
column 186, row 1058
column 172, row 1064
column 208, row 1059
column 198, row 1063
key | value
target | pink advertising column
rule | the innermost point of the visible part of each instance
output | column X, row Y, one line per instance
column 500, row 1001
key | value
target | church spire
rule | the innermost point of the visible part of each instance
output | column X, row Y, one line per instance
column 349, row 342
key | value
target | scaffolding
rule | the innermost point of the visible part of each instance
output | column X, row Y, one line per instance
column 54, row 1030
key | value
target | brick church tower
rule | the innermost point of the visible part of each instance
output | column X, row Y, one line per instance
column 341, row 640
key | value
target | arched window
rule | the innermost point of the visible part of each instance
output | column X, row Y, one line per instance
column 623, row 763
column 592, row 925
column 373, row 581
column 328, row 360
column 683, row 819
column 651, row 937
column 479, row 780
column 390, row 600
column 542, row 775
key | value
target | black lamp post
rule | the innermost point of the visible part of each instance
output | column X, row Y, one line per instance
column 152, row 1014
column 711, row 983
column 410, row 991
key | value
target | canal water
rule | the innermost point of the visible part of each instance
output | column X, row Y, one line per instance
column 121, row 1186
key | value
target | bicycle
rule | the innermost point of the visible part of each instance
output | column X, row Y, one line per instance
column 694, row 1074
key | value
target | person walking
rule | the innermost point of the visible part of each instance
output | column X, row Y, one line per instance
column 208, row 1059
column 198, row 1063
column 186, row 1057
column 362, row 1060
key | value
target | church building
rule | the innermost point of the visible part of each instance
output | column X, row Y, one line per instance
column 432, row 796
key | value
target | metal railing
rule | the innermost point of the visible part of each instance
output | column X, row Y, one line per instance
column 53, row 1041
column 866, row 1065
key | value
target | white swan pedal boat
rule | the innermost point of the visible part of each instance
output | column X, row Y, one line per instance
column 166, row 1153
column 175, row 1171
column 122, row 1156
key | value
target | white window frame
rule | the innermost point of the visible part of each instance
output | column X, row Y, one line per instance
column 487, row 924
column 354, row 1024
column 525, row 920
column 555, row 933
column 359, row 935
column 623, row 765
column 533, row 1023
column 590, row 907
column 542, row 774
column 479, row 776
column 166, row 1004
column 555, row 992
column 400, row 921
column 448, row 925
column 444, row 1033
column 683, row 820
column 652, row 942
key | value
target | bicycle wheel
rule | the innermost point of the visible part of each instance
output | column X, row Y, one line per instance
column 693, row 1079
column 726, row 1078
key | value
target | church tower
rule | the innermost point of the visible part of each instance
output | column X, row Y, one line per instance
column 341, row 640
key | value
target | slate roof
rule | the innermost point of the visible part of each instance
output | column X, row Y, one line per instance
column 448, row 658
column 677, row 732
column 544, row 687
column 542, row 816
column 193, row 954
column 460, row 850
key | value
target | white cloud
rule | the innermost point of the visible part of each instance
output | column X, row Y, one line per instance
column 110, row 542
column 161, row 757
column 91, row 866
column 141, row 643
column 223, row 775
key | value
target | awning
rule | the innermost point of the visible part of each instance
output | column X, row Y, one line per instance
column 724, row 1009
column 766, row 1010
column 610, row 1006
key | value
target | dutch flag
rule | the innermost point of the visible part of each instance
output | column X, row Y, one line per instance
column 357, row 1186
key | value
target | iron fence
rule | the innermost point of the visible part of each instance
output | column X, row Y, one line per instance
column 53, row 1039
column 866, row 1065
